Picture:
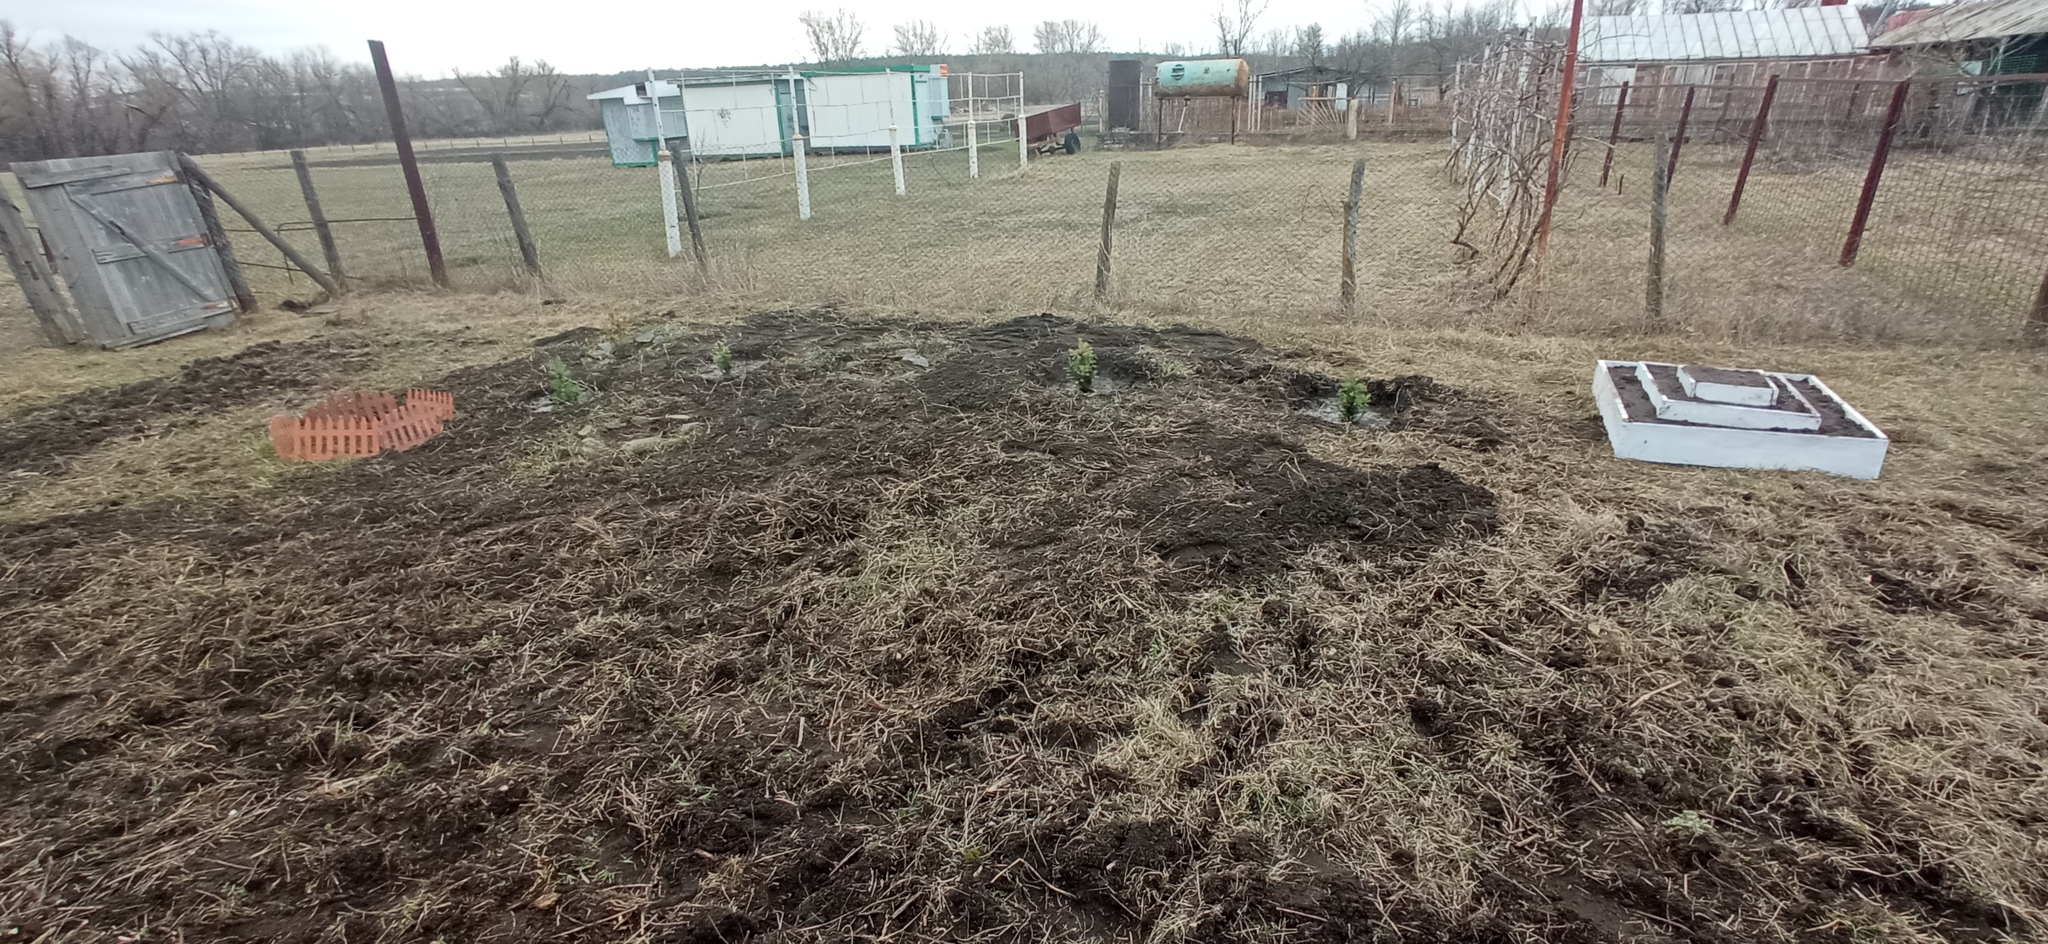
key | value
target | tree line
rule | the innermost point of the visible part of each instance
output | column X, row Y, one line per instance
column 204, row 92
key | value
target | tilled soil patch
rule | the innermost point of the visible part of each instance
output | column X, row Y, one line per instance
column 894, row 637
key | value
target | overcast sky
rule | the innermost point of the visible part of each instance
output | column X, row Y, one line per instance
column 432, row 37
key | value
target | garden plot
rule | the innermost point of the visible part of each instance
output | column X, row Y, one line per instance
column 865, row 644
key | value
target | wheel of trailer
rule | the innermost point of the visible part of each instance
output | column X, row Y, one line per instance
column 1071, row 144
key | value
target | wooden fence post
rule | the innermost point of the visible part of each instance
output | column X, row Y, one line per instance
column 1116, row 169
column 320, row 227
column 682, row 165
column 1348, row 281
column 1756, row 136
column 1864, row 200
column 529, row 254
column 197, row 173
column 1660, row 191
column 209, row 214
column 32, row 273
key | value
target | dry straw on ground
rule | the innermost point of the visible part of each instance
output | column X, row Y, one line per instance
column 863, row 649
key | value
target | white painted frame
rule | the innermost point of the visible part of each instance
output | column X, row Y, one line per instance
column 1724, row 447
column 1726, row 414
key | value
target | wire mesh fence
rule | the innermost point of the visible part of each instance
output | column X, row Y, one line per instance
column 1822, row 207
column 975, row 215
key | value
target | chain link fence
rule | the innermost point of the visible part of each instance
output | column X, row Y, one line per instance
column 1952, row 243
column 1822, row 208
column 1257, row 227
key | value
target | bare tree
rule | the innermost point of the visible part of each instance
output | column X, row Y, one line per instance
column 1067, row 36
column 1394, row 25
column 1308, row 44
column 1174, row 50
column 1234, row 27
column 834, row 37
column 993, row 41
column 919, row 38
column 1276, row 43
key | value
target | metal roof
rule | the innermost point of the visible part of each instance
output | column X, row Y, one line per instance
column 635, row 94
column 1806, row 32
column 1990, row 19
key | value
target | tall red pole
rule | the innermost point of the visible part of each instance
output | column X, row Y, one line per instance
column 1560, row 130
column 430, row 240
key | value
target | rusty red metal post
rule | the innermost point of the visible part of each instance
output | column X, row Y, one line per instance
column 1756, row 137
column 1678, row 140
column 1854, row 243
column 1560, row 130
column 1614, row 133
column 2036, row 328
column 430, row 240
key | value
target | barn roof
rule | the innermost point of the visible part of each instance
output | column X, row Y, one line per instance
column 1805, row 32
column 1988, row 19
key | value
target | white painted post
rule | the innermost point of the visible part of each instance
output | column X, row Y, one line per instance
column 803, row 181
column 669, row 221
column 896, row 159
column 1023, row 146
column 973, row 146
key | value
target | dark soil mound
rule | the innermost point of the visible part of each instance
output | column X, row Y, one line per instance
column 526, row 682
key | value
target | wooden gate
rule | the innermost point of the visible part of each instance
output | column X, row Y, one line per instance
column 131, row 245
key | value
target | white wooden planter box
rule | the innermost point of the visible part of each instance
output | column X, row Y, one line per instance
column 1695, row 432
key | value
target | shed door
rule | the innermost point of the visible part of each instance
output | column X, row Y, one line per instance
column 130, row 243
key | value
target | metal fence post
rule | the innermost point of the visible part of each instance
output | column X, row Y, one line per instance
column 1854, row 242
column 1349, row 278
column 973, row 146
column 896, row 159
column 319, row 217
column 2035, row 331
column 1678, row 142
column 803, row 180
column 1614, row 134
column 671, row 221
column 1023, row 145
column 1756, row 137
column 529, row 254
column 1116, row 169
column 1660, row 191
column 422, row 212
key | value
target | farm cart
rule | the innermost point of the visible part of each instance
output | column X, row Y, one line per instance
column 1050, row 130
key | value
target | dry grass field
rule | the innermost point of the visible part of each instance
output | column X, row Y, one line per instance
column 893, row 637
column 1251, row 229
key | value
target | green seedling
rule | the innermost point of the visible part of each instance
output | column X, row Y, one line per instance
column 1352, row 399
column 563, row 388
column 1081, row 367
column 721, row 358
column 1688, row 825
